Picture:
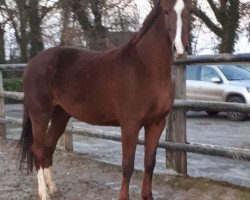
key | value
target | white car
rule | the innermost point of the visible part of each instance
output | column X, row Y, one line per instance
column 224, row 83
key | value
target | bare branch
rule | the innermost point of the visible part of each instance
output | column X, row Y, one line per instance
column 212, row 26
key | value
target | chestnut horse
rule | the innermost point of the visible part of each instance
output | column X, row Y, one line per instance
column 130, row 86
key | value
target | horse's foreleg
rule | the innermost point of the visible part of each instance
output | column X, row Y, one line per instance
column 152, row 136
column 129, row 142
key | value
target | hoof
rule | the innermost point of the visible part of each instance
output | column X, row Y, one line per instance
column 45, row 197
column 54, row 192
column 148, row 197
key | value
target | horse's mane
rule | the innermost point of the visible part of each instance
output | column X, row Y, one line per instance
column 148, row 21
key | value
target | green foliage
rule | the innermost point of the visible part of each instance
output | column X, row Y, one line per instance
column 13, row 85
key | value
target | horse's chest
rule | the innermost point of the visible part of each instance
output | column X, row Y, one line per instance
column 159, row 106
column 162, row 104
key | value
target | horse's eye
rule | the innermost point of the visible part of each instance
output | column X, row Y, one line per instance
column 167, row 12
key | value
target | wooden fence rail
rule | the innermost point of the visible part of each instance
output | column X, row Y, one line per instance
column 243, row 58
column 213, row 150
column 178, row 103
column 176, row 143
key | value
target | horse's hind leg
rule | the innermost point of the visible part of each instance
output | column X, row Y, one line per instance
column 153, row 133
column 59, row 119
column 40, row 122
column 44, row 143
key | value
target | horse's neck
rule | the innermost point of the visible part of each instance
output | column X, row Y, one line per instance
column 155, row 49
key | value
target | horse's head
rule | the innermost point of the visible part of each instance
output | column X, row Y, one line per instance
column 177, row 19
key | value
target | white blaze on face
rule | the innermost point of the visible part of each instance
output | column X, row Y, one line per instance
column 179, row 6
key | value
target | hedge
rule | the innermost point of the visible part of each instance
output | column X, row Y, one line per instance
column 14, row 85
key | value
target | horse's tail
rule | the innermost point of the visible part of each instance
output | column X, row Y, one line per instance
column 26, row 140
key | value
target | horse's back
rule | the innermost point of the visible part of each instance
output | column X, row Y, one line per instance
column 62, row 57
column 61, row 62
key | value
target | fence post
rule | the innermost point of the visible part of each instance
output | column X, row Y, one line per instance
column 66, row 140
column 2, row 108
column 176, row 132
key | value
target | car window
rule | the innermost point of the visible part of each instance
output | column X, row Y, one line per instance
column 192, row 72
column 207, row 73
column 236, row 72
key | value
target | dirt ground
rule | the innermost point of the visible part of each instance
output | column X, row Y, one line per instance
column 81, row 178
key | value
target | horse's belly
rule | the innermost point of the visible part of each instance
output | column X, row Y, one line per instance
column 92, row 114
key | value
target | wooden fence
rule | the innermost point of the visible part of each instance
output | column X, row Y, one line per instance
column 176, row 143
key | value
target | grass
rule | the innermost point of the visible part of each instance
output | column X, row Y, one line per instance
column 244, row 195
column 187, row 183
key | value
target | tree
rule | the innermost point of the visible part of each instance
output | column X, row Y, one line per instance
column 245, row 16
column 36, row 13
column 2, row 32
column 66, row 39
column 94, row 30
column 227, row 15
column 2, row 44
column 98, row 18
column 18, row 18
column 35, row 21
column 98, row 30
column 25, row 17
column 121, row 15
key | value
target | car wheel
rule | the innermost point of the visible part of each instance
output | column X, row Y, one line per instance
column 236, row 116
column 212, row 113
